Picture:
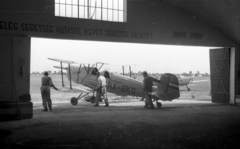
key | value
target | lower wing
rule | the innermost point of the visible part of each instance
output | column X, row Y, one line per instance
column 76, row 89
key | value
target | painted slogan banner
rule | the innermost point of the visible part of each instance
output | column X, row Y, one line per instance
column 80, row 31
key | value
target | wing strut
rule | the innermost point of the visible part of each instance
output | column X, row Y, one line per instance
column 130, row 73
column 91, row 66
column 123, row 69
column 62, row 75
column 79, row 70
column 70, row 76
column 87, row 70
column 101, row 66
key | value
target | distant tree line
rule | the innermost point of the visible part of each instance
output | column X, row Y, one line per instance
column 49, row 72
column 127, row 74
column 159, row 74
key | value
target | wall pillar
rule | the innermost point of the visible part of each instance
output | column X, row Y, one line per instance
column 15, row 67
column 232, row 82
column 6, row 66
column 237, row 97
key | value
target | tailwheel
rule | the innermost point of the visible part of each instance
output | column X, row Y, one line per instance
column 74, row 101
column 188, row 88
column 92, row 99
column 159, row 104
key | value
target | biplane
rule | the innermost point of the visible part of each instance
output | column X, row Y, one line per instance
column 84, row 75
column 185, row 81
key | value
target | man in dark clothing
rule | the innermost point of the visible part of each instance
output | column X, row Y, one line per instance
column 45, row 91
column 147, row 88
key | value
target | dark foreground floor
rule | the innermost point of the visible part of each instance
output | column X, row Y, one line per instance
column 126, row 125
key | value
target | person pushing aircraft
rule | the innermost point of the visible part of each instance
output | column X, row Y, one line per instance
column 101, row 90
column 147, row 88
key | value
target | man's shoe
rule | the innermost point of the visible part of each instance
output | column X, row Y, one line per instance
column 45, row 110
column 106, row 105
column 95, row 105
column 151, row 107
column 145, row 106
column 50, row 108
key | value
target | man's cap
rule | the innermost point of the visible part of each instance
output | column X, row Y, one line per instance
column 145, row 73
column 45, row 73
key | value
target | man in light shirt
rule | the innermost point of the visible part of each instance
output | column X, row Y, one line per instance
column 101, row 90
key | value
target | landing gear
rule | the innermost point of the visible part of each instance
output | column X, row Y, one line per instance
column 159, row 104
column 188, row 88
column 74, row 101
column 92, row 99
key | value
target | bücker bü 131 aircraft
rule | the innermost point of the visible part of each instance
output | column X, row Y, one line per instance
column 185, row 81
column 85, row 77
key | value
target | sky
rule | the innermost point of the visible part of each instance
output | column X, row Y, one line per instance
column 143, row 57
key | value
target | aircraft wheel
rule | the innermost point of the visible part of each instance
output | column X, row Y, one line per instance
column 188, row 89
column 92, row 99
column 159, row 104
column 74, row 101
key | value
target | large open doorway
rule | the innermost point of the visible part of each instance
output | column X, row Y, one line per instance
column 184, row 61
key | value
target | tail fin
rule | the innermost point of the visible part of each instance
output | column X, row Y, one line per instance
column 168, row 88
column 192, row 77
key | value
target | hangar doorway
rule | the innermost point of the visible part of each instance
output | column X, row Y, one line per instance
column 172, row 60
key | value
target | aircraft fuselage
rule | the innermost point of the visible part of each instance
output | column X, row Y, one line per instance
column 116, row 83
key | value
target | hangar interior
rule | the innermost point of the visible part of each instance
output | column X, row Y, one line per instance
column 214, row 23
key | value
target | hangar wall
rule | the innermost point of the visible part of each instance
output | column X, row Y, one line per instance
column 148, row 21
column 6, row 75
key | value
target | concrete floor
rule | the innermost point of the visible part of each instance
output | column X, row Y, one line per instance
column 178, row 124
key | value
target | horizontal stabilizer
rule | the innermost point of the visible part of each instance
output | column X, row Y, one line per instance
column 81, row 89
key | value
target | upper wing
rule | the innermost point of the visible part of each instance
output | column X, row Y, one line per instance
column 75, row 62
column 76, row 89
column 64, row 61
